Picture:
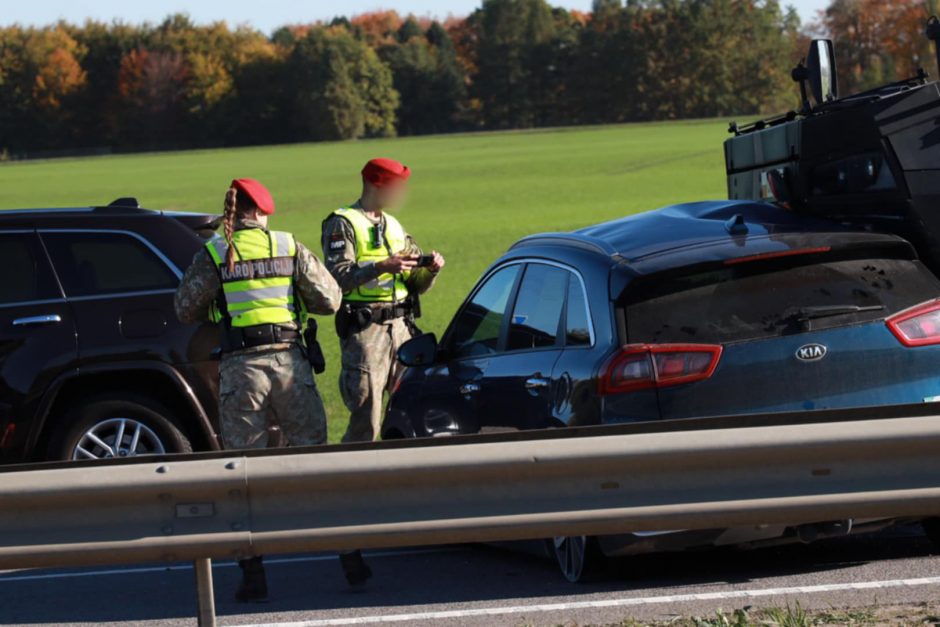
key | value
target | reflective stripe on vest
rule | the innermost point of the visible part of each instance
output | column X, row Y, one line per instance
column 385, row 288
column 260, row 289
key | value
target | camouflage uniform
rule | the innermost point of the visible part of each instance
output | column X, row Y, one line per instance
column 368, row 357
column 266, row 390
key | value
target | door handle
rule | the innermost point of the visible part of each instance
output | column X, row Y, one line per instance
column 536, row 383
column 469, row 388
column 34, row 321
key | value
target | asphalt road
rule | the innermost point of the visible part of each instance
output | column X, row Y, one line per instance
column 474, row 585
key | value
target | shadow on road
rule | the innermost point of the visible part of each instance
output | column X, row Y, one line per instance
column 453, row 576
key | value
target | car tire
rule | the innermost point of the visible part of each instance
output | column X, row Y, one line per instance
column 578, row 557
column 932, row 529
column 145, row 427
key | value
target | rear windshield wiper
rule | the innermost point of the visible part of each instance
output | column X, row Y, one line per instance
column 814, row 313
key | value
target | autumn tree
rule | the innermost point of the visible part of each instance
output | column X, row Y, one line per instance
column 876, row 41
column 510, row 32
column 341, row 88
column 41, row 74
column 428, row 78
column 153, row 89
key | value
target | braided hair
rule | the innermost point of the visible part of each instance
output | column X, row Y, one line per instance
column 228, row 225
column 236, row 206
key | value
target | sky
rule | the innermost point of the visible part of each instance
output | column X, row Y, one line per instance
column 265, row 15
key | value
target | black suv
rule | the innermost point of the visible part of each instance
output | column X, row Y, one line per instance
column 93, row 362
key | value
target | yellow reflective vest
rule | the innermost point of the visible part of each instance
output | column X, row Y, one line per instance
column 385, row 288
column 260, row 289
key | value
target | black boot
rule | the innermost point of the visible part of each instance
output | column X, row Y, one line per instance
column 355, row 568
column 254, row 585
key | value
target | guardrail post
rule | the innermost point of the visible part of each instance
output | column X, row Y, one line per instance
column 205, row 594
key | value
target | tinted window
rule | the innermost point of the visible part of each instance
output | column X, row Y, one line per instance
column 577, row 325
column 27, row 276
column 476, row 329
column 106, row 263
column 740, row 303
column 537, row 314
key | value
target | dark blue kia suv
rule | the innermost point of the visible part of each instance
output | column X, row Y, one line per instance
column 704, row 309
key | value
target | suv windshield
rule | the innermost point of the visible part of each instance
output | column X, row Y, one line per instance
column 751, row 301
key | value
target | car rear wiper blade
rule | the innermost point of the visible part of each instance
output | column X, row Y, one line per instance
column 813, row 313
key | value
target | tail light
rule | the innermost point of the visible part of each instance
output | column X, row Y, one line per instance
column 917, row 326
column 778, row 254
column 7, row 435
column 644, row 366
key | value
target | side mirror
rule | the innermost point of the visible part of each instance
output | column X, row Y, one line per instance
column 821, row 67
column 419, row 351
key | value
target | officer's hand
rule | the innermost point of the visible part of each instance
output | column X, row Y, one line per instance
column 396, row 264
column 437, row 263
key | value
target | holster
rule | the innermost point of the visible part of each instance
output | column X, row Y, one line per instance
column 351, row 319
column 314, row 350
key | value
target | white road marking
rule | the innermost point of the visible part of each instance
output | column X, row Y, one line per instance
column 607, row 603
column 226, row 564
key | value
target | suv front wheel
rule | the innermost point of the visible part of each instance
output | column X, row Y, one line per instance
column 118, row 427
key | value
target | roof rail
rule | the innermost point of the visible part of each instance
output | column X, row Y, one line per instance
column 575, row 240
column 125, row 201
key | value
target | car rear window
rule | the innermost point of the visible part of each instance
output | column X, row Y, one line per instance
column 104, row 263
column 751, row 301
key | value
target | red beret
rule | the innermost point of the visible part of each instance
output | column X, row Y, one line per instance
column 258, row 193
column 382, row 172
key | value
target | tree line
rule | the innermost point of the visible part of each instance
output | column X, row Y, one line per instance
column 510, row 64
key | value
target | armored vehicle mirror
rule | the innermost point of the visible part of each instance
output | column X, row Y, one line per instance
column 821, row 64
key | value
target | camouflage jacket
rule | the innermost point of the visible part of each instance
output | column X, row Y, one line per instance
column 341, row 258
column 201, row 286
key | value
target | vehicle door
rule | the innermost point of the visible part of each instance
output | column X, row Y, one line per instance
column 517, row 386
column 575, row 397
column 450, row 393
column 37, row 338
column 121, row 289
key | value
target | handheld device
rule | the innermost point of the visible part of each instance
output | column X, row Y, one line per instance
column 425, row 260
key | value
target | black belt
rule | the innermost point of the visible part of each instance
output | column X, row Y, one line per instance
column 239, row 338
column 378, row 313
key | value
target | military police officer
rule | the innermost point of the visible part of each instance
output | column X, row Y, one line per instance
column 381, row 271
column 259, row 286
column 377, row 265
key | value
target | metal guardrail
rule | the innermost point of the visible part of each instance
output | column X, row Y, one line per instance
column 231, row 507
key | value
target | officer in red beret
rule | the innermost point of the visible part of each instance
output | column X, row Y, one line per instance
column 382, row 271
column 259, row 286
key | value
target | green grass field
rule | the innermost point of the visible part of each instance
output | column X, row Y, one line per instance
column 473, row 195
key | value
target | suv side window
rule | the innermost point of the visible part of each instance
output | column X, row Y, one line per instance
column 577, row 321
column 28, row 277
column 91, row 264
column 476, row 330
column 536, row 318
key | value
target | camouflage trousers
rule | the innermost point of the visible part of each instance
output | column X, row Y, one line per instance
column 370, row 366
column 268, row 397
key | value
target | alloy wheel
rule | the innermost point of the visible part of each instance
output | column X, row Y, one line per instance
column 570, row 553
column 118, row 437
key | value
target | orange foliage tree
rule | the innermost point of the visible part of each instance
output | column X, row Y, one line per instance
column 876, row 41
